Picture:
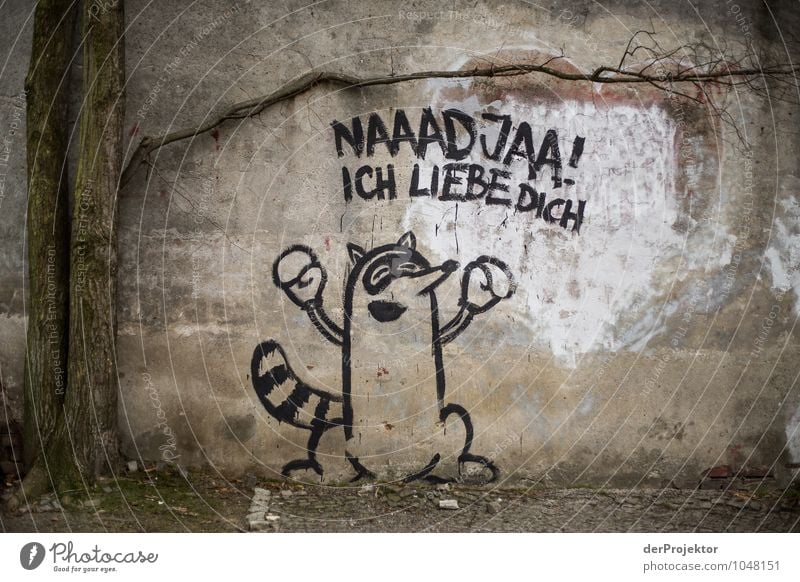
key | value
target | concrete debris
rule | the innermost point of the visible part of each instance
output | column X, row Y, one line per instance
column 494, row 507
column 448, row 504
column 258, row 492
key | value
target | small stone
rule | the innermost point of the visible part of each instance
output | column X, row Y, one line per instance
column 133, row 466
column 393, row 498
column 494, row 507
column 285, row 493
column 448, row 504
column 256, row 516
column 250, row 480
column 107, row 489
column 272, row 517
column 263, row 493
column 443, row 487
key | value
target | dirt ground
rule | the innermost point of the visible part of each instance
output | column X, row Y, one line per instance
column 151, row 501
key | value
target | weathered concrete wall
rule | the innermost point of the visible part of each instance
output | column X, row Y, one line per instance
column 654, row 343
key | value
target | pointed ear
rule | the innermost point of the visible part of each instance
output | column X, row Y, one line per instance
column 355, row 252
column 408, row 240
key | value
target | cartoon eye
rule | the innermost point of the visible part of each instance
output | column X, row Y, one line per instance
column 408, row 268
column 379, row 274
column 384, row 311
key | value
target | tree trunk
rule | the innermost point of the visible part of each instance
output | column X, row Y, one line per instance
column 81, row 424
column 90, row 408
column 47, row 222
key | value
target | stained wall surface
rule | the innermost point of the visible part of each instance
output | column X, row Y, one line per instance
column 568, row 282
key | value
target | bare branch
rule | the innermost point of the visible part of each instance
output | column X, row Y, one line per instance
column 628, row 51
column 253, row 107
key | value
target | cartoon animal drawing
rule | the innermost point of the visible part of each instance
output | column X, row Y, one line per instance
column 390, row 306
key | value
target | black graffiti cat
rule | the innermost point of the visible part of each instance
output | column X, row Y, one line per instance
column 385, row 286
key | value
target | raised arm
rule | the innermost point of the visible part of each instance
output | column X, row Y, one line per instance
column 482, row 287
column 299, row 274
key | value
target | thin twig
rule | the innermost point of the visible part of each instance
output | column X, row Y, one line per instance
column 253, row 107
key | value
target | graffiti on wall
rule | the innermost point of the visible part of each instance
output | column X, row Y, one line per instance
column 459, row 138
column 391, row 290
column 406, row 418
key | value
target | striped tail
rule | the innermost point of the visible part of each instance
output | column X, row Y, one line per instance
column 287, row 398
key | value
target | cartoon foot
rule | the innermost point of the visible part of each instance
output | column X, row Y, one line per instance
column 301, row 465
column 361, row 471
column 476, row 470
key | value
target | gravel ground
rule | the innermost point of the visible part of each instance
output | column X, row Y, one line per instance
column 198, row 502
column 410, row 509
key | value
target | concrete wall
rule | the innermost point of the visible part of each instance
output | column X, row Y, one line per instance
column 653, row 342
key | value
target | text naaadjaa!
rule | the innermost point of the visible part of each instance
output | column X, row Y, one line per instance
column 456, row 136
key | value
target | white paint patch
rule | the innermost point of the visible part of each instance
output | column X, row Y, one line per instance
column 578, row 292
column 784, row 251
